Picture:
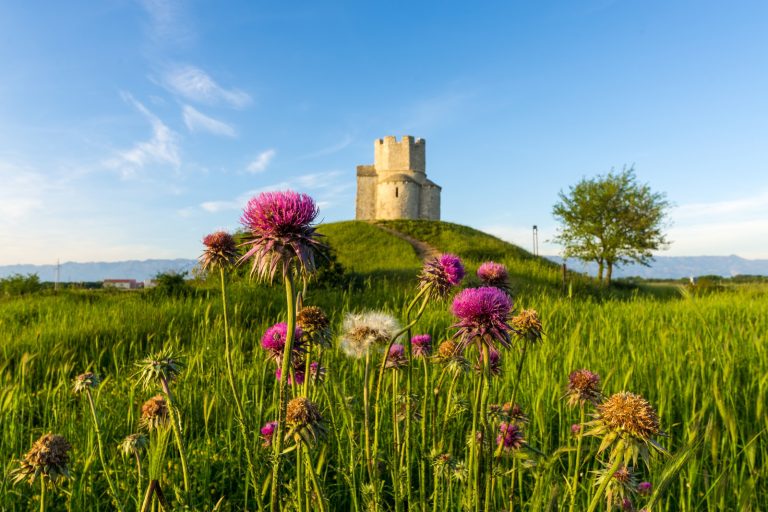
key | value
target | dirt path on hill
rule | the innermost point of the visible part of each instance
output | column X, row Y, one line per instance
column 423, row 250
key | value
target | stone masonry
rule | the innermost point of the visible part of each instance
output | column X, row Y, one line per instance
column 396, row 185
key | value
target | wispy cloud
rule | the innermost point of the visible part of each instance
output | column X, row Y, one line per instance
column 745, row 205
column 161, row 148
column 196, row 121
column 22, row 192
column 335, row 148
column 326, row 186
column 262, row 161
column 168, row 22
column 196, row 85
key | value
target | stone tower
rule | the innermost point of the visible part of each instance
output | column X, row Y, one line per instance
column 396, row 185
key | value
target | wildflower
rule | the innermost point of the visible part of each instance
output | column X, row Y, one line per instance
column 133, row 444
column 644, row 488
column 362, row 330
column 440, row 274
column 315, row 325
column 274, row 338
column 48, row 459
column 627, row 421
column 163, row 366
column 482, row 314
column 494, row 274
column 576, row 429
column 298, row 375
column 304, row 419
column 421, row 345
column 494, row 363
column 267, row 431
column 621, row 486
column 527, row 325
column 154, row 413
column 583, row 386
column 510, row 437
column 316, row 372
column 446, row 350
column 86, row 381
column 220, row 251
column 281, row 234
column 396, row 357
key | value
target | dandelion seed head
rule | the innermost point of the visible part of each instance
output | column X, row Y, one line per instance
column 363, row 330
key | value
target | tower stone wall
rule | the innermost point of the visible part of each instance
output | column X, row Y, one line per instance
column 396, row 185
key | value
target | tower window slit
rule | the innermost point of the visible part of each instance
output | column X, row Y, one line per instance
column 396, row 192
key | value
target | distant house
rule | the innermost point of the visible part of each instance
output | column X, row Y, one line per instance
column 122, row 284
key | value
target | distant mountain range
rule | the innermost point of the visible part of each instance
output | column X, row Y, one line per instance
column 665, row 267
column 98, row 271
column 676, row 267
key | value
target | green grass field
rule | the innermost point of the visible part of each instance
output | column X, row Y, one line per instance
column 701, row 362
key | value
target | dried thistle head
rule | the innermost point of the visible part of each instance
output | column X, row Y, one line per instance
column 220, row 251
column 626, row 422
column 163, row 366
column 449, row 355
column 154, row 413
column 583, row 387
column 304, row 420
column 133, row 444
column 527, row 325
column 85, row 381
column 48, row 459
column 446, row 350
column 441, row 274
column 361, row 331
column 315, row 324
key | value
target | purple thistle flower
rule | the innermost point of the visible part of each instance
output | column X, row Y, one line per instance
column 494, row 274
column 440, row 274
column 298, row 375
column 220, row 251
column 575, row 429
column 396, row 356
column 267, row 431
column 274, row 338
column 316, row 372
column 510, row 437
column 281, row 233
column 644, row 488
column 494, row 363
column 421, row 345
column 583, row 387
column 482, row 314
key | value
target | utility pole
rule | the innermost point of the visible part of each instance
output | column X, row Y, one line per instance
column 58, row 274
column 535, row 240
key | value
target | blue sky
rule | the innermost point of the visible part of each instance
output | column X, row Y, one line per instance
column 130, row 129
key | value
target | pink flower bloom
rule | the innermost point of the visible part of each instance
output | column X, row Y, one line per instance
column 510, row 437
column 482, row 314
column 644, row 488
column 274, row 338
column 298, row 375
column 396, row 356
column 440, row 274
column 267, row 431
column 281, row 233
column 575, row 429
column 494, row 274
column 421, row 345
column 495, row 363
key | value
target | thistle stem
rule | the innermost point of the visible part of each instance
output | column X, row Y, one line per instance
column 575, row 483
column 104, row 466
column 42, row 494
column 176, row 425
column 519, row 372
column 315, row 485
column 601, row 490
column 277, row 445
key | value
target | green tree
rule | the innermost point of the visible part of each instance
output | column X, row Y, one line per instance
column 611, row 220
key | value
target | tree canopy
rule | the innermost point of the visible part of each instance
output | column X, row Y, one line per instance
column 611, row 220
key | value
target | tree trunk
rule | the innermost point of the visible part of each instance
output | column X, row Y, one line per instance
column 608, row 273
column 599, row 271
